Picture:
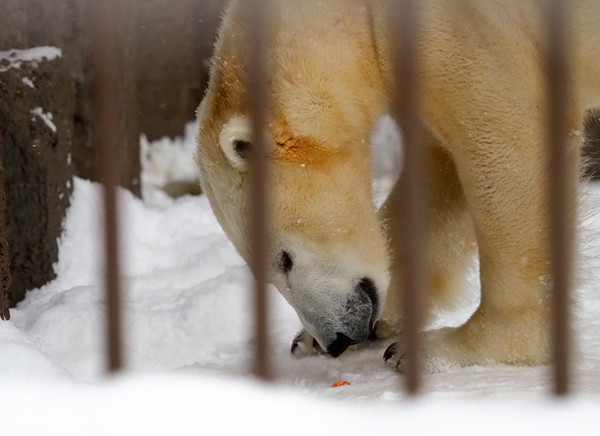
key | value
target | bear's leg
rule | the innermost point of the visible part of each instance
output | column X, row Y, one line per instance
column 506, row 189
column 451, row 241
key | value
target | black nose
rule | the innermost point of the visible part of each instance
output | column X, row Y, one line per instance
column 340, row 344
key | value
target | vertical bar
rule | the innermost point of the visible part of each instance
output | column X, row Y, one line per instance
column 412, row 237
column 256, row 103
column 5, row 276
column 106, row 107
column 560, row 201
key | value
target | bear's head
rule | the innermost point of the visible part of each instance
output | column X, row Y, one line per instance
column 327, row 255
column 327, row 252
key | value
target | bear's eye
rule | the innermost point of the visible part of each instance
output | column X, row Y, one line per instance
column 285, row 262
column 241, row 147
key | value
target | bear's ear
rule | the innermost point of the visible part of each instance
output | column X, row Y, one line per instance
column 234, row 139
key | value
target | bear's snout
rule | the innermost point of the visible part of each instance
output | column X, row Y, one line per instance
column 358, row 319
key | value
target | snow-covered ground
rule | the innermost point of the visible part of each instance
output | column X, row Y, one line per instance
column 188, row 325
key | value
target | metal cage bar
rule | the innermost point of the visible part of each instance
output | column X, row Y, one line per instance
column 412, row 234
column 106, row 118
column 256, row 103
column 561, row 232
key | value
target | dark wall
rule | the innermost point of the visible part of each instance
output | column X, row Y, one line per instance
column 67, row 24
column 174, row 44
column 164, row 48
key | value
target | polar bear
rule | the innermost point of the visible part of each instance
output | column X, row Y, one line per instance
column 331, row 76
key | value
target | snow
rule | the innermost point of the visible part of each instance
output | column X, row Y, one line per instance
column 46, row 118
column 166, row 161
column 199, row 405
column 14, row 58
column 187, row 310
column 27, row 81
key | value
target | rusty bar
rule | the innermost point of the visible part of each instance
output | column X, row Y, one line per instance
column 412, row 237
column 256, row 102
column 560, row 201
column 106, row 104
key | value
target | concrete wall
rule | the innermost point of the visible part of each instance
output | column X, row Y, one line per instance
column 36, row 100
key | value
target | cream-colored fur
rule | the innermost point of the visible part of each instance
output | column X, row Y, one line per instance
column 330, row 66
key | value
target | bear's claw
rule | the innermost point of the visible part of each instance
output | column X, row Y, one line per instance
column 393, row 358
column 305, row 345
column 389, row 352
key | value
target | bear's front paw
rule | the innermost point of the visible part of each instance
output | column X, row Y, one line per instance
column 385, row 329
column 305, row 345
column 438, row 353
